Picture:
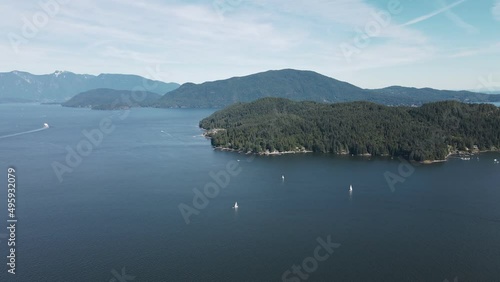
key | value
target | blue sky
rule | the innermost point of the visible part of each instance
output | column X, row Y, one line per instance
column 445, row 44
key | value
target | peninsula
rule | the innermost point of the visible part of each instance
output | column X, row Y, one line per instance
column 428, row 133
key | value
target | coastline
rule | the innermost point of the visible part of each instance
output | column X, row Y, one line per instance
column 266, row 153
column 208, row 134
column 303, row 151
column 459, row 154
column 438, row 161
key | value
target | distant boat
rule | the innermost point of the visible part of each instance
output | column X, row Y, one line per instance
column 46, row 125
column 282, row 177
column 350, row 188
column 235, row 205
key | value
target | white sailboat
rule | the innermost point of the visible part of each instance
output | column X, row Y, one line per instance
column 235, row 205
column 282, row 177
column 350, row 188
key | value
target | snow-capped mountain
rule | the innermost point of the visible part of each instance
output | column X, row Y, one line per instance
column 18, row 86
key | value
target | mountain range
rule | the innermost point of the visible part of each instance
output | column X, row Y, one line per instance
column 297, row 85
column 301, row 85
column 60, row 86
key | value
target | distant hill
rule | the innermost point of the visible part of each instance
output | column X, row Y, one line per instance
column 303, row 85
column 110, row 99
column 291, row 84
column 420, row 96
column 62, row 85
column 425, row 133
column 491, row 92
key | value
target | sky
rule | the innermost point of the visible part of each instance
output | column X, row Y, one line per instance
column 444, row 44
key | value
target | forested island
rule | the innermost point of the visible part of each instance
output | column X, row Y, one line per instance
column 110, row 99
column 427, row 133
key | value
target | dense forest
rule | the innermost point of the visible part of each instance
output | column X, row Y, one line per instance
column 301, row 85
column 429, row 132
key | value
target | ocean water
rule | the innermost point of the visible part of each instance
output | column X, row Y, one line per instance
column 113, row 214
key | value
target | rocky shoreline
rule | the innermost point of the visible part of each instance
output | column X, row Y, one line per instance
column 452, row 152
column 303, row 151
column 461, row 154
column 266, row 153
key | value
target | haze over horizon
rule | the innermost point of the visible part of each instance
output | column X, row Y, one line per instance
column 444, row 44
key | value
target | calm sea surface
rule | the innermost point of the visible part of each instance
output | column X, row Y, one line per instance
column 115, row 215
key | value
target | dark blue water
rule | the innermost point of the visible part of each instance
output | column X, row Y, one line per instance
column 118, row 209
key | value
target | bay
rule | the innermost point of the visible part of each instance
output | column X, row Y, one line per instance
column 117, row 210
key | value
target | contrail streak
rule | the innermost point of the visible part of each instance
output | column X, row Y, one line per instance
column 432, row 14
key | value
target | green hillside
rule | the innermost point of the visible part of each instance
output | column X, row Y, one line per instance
column 109, row 99
column 303, row 86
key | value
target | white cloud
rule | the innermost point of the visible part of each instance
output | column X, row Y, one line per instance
column 483, row 50
column 193, row 43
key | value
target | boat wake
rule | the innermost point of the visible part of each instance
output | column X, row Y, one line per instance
column 45, row 126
